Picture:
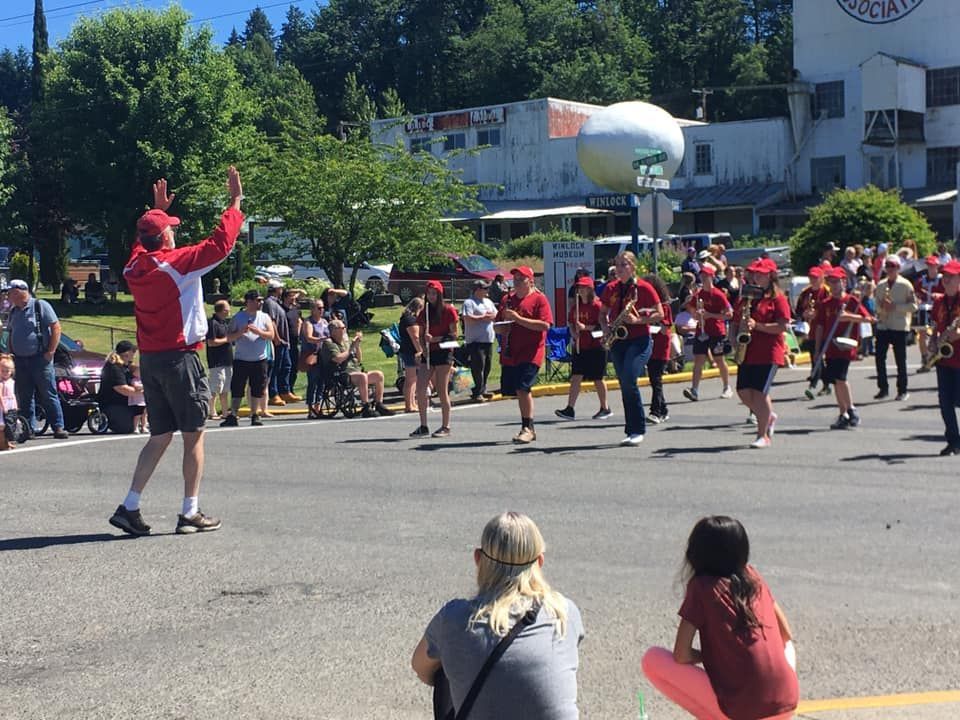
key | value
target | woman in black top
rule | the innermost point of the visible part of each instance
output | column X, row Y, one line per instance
column 116, row 388
column 408, row 353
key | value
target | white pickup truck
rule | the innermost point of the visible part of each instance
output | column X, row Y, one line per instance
column 372, row 277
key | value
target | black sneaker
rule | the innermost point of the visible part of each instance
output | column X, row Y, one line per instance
column 130, row 521
column 603, row 414
column 229, row 421
column 842, row 423
column 881, row 395
column 197, row 523
column 383, row 410
column 950, row 450
column 568, row 413
column 902, row 397
column 255, row 421
column 61, row 434
column 854, row 417
column 422, row 431
column 368, row 412
column 441, row 432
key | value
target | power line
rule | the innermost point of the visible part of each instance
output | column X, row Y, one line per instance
column 50, row 10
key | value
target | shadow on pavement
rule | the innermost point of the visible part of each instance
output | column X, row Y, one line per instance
column 889, row 459
column 36, row 543
column 461, row 445
column 354, row 441
column 911, row 408
column 927, row 438
column 561, row 449
column 699, row 450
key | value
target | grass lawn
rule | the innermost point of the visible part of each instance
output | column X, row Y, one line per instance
column 101, row 327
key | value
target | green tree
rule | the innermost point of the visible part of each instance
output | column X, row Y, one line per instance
column 258, row 24
column 293, row 36
column 133, row 95
column 354, row 201
column 7, row 158
column 868, row 216
column 357, row 108
column 15, row 80
column 391, row 106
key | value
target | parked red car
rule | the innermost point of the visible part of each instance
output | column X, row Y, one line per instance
column 456, row 272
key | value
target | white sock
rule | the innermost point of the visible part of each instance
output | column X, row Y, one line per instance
column 133, row 501
column 189, row 506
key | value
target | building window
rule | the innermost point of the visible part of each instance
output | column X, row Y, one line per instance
column 828, row 98
column 454, row 141
column 420, row 144
column 703, row 156
column 942, row 166
column 943, row 87
column 828, row 173
column 489, row 137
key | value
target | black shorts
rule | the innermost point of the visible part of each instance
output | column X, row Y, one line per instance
column 591, row 364
column 713, row 343
column 440, row 357
column 518, row 377
column 254, row 371
column 756, row 377
column 835, row 370
column 176, row 390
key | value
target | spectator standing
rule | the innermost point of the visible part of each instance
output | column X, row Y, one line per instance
column 116, row 389
column 168, row 303
column 291, row 307
column 219, row 358
column 280, row 370
column 943, row 257
column 438, row 323
column 8, row 401
column 829, row 254
column 409, row 342
column 688, row 284
column 253, row 332
column 498, row 289
column 851, row 266
column 314, row 330
column 511, row 588
column 896, row 303
column 879, row 262
column 523, row 348
column 334, row 299
column 34, row 337
column 746, row 648
column 479, row 312
column 690, row 264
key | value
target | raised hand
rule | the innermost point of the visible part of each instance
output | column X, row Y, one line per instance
column 161, row 200
column 233, row 183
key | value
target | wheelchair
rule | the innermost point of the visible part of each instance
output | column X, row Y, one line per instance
column 338, row 395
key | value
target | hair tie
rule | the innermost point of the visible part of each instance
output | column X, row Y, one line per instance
column 504, row 562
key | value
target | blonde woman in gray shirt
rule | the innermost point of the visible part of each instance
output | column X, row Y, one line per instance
column 896, row 304
column 536, row 678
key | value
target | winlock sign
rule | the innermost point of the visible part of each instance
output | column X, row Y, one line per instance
column 878, row 12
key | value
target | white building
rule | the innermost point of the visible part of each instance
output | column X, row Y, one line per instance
column 875, row 99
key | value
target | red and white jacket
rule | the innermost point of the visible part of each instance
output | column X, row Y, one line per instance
column 167, row 296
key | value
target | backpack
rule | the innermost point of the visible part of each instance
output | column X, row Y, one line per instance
column 390, row 340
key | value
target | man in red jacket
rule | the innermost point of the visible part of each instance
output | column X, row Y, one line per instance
column 171, row 327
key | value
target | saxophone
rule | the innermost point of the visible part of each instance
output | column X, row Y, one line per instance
column 945, row 349
column 743, row 333
column 617, row 330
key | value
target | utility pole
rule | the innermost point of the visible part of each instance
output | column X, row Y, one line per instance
column 703, row 93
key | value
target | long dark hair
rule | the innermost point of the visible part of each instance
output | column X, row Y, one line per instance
column 660, row 286
column 719, row 547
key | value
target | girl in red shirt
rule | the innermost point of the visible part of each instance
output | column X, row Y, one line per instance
column 768, row 320
column 946, row 310
column 589, row 357
column 660, row 355
column 442, row 327
column 746, row 645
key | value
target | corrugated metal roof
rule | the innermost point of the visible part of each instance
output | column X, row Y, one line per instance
column 715, row 197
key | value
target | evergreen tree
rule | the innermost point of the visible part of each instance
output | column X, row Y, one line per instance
column 293, row 36
column 258, row 24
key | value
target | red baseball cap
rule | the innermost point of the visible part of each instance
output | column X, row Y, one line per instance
column 153, row 222
column 762, row 265
column 826, row 265
column 436, row 285
column 708, row 270
column 951, row 268
column 837, row 273
column 584, row 282
column 932, row 260
column 815, row 271
column 522, row 270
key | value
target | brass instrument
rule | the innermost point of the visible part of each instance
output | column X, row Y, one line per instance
column 744, row 336
column 944, row 349
column 617, row 330
column 703, row 337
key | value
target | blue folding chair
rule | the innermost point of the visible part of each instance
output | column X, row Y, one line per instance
column 559, row 358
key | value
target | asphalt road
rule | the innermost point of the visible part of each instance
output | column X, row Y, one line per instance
column 341, row 539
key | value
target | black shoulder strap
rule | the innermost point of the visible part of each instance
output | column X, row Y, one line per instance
column 37, row 320
column 528, row 619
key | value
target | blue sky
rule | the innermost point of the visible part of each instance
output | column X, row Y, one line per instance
column 16, row 16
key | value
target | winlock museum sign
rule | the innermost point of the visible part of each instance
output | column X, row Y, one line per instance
column 878, row 12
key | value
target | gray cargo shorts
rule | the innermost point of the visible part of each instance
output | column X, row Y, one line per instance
column 176, row 390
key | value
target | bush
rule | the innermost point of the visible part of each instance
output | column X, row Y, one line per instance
column 20, row 269
column 668, row 264
column 532, row 245
column 311, row 288
column 867, row 216
column 760, row 241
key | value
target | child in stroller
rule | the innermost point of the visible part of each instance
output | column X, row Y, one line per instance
column 78, row 398
column 11, row 424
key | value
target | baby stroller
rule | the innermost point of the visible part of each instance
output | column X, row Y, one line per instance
column 78, row 399
column 390, row 345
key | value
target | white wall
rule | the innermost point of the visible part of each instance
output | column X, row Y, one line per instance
column 747, row 151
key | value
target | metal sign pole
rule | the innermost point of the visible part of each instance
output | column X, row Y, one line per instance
column 635, row 224
column 656, row 232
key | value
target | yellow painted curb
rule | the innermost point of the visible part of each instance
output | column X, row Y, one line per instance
column 880, row 701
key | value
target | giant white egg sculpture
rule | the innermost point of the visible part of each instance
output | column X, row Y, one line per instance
column 628, row 139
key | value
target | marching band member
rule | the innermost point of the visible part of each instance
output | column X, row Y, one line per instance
column 630, row 354
column 946, row 310
column 522, row 348
column 438, row 322
column 925, row 286
column 843, row 342
column 709, row 305
column 808, row 301
column 660, row 355
column 896, row 303
column 768, row 320
column 589, row 357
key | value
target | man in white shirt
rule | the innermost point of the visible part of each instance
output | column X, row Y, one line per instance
column 478, row 315
column 896, row 303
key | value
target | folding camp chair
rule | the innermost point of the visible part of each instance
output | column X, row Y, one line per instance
column 559, row 358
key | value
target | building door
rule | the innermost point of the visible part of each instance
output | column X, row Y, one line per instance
column 704, row 222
